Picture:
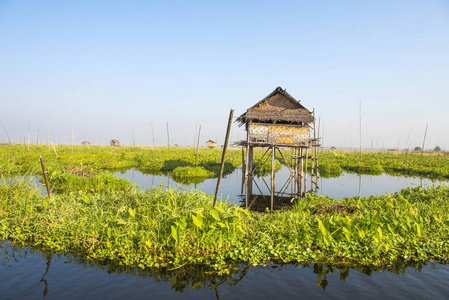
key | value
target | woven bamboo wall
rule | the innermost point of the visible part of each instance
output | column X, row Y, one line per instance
column 278, row 134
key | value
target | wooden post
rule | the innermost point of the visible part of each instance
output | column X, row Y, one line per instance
column 197, row 146
column 305, row 172
column 134, row 141
column 28, row 142
column 152, row 130
column 273, row 166
column 45, row 176
column 247, row 166
column 228, row 130
column 168, row 138
column 54, row 149
column 7, row 135
column 71, row 116
column 243, row 169
column 300, row 182
column 425, row 133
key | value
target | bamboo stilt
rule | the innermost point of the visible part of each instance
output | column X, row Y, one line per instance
column 228, row 130
column 45, row 176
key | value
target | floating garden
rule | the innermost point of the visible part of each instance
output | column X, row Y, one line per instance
column 101, row 217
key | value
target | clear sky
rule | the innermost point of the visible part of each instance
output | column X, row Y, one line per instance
column 112, row 66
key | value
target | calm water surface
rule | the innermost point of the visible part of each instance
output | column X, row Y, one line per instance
column 26, row 274
column 347, row 185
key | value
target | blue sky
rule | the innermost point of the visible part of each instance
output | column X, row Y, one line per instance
column 117, row 65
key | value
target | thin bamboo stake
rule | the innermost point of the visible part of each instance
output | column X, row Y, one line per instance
column 28, row 144
column 152, row 130
column 48, row 136
column 360, row 119
column 197, row 146
column 134, row 141
column 45, row 176
column 273, row 166
column 425, row 133
column 6, row 131
column 37, row 138
column 168, row 138
column 54, row 149
column 228, row 130
column 71, row 117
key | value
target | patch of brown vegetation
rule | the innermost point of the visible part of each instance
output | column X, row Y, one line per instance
column 77, row 171
column 335, row 208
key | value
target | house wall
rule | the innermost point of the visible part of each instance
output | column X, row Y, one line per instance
column 211, row 145
column 278, row 134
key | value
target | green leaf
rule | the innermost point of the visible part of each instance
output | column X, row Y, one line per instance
column 215, row 215
column 132, row 212
column 322, row 227
column 86, row 199
column 174, row 233
column 197, row 220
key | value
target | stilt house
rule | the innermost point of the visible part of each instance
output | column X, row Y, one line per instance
column 278, row 119
column 279, row 122
column 115, row 143
column 211, row 144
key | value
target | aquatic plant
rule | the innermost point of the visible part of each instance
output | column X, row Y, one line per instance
column 157, row 228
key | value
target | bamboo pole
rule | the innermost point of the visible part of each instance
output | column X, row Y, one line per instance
column 134, row 140
column 37, row 138
column 45, row 176
column 243, row 169
column 152, row 130
column 54, row 149
column 168, row 138
column 423, row 142
column 273, row 166
column 228, row 130
column 305, row 171
column 28, row 142
column 360, row 119
column 71, row 117
column 197, row 147
column 247, row 166
column 7, row 134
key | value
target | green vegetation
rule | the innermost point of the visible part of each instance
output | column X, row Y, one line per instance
column 427, row 165
column 105, row 218
column 169, row 229
column 20, row 160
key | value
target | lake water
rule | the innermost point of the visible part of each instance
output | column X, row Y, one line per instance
column 347, row 185
column 27, row 273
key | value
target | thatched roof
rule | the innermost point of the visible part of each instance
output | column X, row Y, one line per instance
column 277, row 106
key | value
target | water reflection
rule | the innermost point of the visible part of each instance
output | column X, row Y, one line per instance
column 282, row 281
column 346, row 185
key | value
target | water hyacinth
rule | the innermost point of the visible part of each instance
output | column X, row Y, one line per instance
column 171, row 228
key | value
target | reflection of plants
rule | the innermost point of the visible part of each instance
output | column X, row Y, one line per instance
column 190, row 172
column 198, row 277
